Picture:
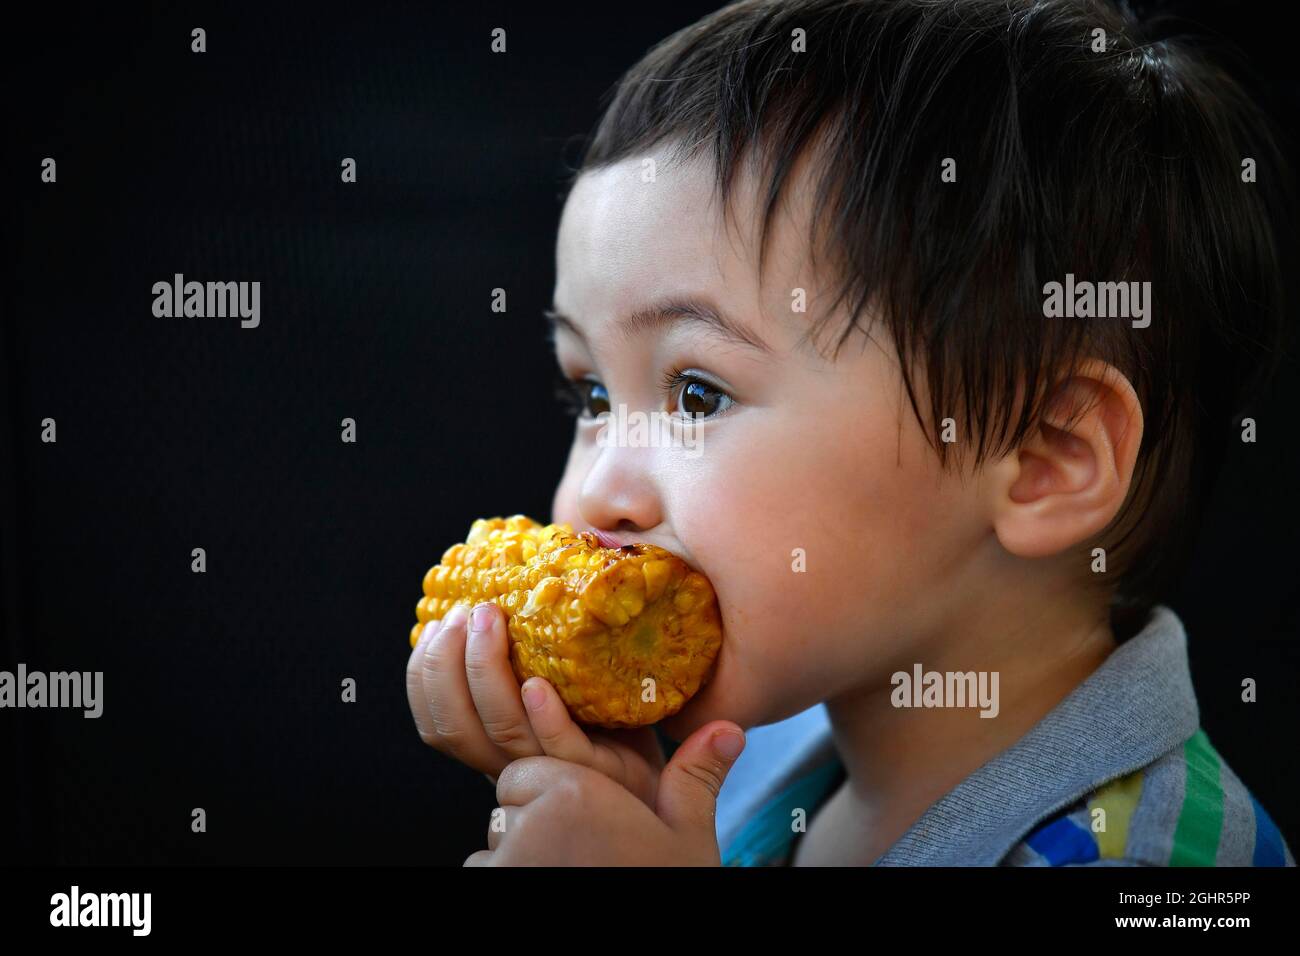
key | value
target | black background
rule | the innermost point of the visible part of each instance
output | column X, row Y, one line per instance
column 222, row 690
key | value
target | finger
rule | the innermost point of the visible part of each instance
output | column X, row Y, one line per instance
column 523, row 781
column 481, row 858
column 493, row 686
column 688, row 792
column 415, row 696
column 456, row 726
column 500, row 823
column 558, row 734
column 642, row 741
column 640, row 753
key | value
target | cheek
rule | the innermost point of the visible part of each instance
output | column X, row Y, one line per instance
column 818, row 522
column 824, row 555
column 789, row 568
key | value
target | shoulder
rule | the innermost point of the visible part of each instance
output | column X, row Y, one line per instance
column 1186, row 808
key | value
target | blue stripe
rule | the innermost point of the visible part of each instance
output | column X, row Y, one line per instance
column 766, row 838
column 1268, row 842
column 1063, row 841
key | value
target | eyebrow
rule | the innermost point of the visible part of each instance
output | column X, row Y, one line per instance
column 668, row 312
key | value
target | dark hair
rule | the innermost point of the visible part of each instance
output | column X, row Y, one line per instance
column 1122, row 165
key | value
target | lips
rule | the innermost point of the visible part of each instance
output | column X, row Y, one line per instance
column 607, row 540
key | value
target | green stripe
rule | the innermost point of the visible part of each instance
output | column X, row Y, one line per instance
column 1200, row 822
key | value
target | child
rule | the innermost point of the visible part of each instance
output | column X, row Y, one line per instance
column 956, row 302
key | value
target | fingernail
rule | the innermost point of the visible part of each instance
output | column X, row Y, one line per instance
column 728, row 744
column 534, row 697
column 456, row 616
column 481, row 619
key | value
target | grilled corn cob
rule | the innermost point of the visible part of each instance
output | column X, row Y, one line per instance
column 626, row 635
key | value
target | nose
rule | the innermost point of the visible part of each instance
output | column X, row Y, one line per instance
column 619, row 492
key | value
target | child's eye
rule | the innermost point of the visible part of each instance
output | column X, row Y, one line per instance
column 582, row 397
column 693, row 397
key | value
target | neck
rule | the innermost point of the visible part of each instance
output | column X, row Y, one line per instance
column 900, row 760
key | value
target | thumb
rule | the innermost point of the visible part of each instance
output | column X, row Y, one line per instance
column 689, row 785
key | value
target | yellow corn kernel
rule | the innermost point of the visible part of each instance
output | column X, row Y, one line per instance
column 626, row 635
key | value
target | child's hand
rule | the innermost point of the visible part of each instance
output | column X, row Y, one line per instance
column 555, row 813
column 467, row 703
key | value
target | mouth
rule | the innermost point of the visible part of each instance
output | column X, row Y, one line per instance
column 608, row 541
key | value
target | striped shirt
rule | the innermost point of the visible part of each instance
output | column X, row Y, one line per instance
column 1119, row 773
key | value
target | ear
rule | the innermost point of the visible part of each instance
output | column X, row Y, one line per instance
column 1069, row 478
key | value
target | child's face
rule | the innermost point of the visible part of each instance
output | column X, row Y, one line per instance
column 801, row 452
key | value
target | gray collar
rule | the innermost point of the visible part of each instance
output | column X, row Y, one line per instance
column 1138, row 705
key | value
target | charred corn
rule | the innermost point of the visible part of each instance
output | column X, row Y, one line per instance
column 626, row 635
